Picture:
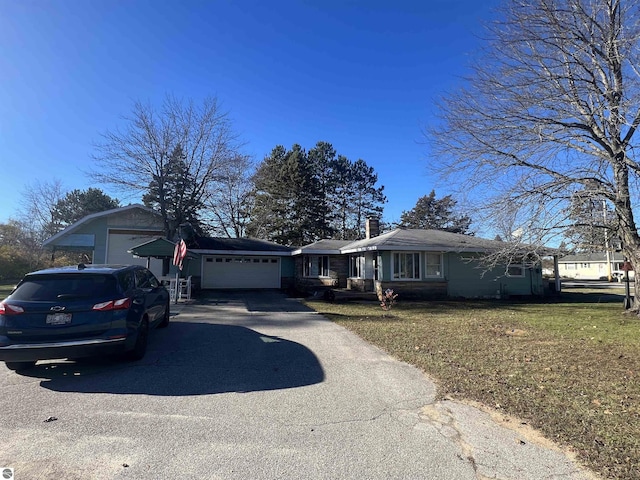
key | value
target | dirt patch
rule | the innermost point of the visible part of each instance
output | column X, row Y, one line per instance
column 516, row 332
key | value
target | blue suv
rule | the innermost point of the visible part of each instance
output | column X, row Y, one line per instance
column 81, row 311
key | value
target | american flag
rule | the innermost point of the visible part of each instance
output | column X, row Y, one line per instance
column 179, row 253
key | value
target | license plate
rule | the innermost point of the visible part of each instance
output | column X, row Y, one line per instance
column 58, row 318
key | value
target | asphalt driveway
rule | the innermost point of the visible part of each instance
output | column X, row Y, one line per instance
column 255, row 386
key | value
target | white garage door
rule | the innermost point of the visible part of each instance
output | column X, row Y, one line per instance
column 240, row 272
column 120, row 242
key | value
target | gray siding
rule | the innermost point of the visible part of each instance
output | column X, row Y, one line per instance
column 463, row 277
column 131, row 219
column 466, row 278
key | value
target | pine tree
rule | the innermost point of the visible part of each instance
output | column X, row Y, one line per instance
column 174, row 194
column 303, row 197
column 431, row 213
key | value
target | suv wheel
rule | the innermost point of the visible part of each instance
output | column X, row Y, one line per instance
column 19, row 365
column 140, row 348
column 165, row 318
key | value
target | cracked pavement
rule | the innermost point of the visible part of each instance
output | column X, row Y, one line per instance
column 255, row 386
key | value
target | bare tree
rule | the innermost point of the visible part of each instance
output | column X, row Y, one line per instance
column 551, row 109
column 139, row 155
column 37, row 221
column 38, row 211
column 230, row 198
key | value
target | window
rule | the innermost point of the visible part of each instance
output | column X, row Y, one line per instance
column 316, row 265
column 406, row 266
column 357, row 266
column 433, row 265
column 515, row 270
column 146, row 279
column 52, row 288
column 142, row 279
column 377, row 271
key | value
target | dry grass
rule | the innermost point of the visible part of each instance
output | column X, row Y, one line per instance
column 569, row 368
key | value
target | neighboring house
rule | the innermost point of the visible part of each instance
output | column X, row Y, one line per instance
column 420, row 263
column 109, row 234
column 590, row 266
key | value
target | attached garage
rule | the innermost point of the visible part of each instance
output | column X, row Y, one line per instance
column 231, row 271
column 235, row 263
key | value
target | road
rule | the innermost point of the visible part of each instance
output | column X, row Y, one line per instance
column 256, row 386
column 595, row 284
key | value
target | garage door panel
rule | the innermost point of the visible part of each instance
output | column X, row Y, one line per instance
column 241, row 272
column 117, row 253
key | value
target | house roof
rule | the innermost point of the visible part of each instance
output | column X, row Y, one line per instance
column 424, row 240
column 592, row 257
column 322, row 247
column 84, row 220
column 158, row 248
column 240, row 246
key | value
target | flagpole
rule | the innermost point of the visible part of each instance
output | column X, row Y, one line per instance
column 175, row 296
column 176, row 262
column 179, row 253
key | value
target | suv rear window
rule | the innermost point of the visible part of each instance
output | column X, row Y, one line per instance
column 48, row 288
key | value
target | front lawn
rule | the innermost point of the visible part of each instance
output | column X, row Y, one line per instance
column 569, row 369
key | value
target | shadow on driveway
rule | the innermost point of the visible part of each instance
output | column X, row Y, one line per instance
column 191, row 358
column 253, row 300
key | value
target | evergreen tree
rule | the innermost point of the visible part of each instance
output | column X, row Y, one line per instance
column 303, row 197
column 285, row 192
column 431, row 213
column 367, row 198
column 77, row 204
column 322, row 161
column 342, row 172
column 174, row 193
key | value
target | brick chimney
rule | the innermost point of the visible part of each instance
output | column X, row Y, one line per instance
column 372, row 228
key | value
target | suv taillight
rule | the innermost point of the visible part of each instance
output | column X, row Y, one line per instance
column 121, row 304
column 8, row 309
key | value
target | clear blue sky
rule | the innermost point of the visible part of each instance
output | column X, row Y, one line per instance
column 361, row 75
